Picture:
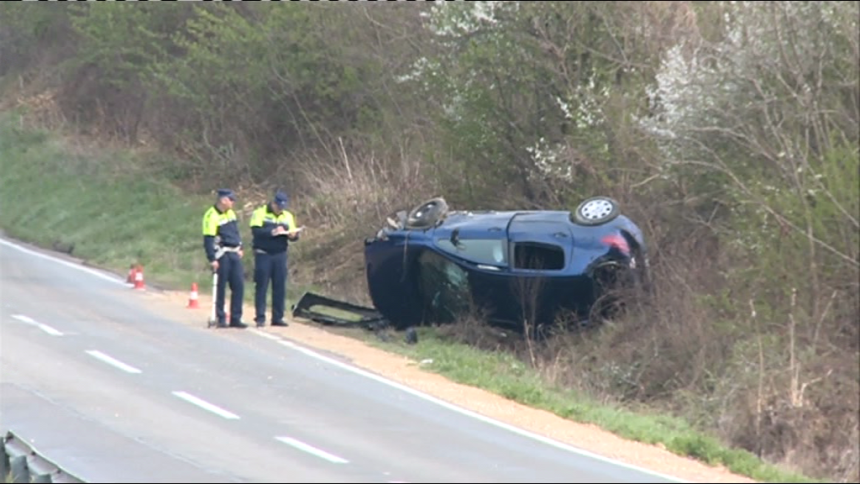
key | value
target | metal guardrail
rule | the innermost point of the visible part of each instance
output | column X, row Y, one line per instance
column 20, row 462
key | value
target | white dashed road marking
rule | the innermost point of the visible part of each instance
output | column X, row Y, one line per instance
column 469, row 413
column 312, row 450
column 112, row 361
column 350, row 368
column 42, row 326
column 206, row 405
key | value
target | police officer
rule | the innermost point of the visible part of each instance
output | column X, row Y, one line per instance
column 223, row 244
column 271, row 225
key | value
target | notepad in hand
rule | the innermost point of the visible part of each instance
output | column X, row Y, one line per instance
column 292, row 232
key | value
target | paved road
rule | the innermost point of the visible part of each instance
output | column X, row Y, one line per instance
column 113, row 392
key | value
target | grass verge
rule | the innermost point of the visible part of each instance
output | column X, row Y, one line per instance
column 83, row 205
column 101, row 208
column 505, row 375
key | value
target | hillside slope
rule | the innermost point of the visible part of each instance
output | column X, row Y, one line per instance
column 62, row 196
column 730, row 131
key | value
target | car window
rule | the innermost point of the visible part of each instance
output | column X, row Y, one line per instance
column 444, row 286
column 538, row 256
column 479, row 251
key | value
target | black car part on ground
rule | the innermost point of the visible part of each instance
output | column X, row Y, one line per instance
column 309, row 306
column 19, row 462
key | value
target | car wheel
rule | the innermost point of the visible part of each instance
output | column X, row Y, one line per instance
column 427, row 214
column 596, row 211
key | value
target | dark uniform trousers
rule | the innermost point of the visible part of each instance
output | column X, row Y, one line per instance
column 230, row 271
column 270, row 267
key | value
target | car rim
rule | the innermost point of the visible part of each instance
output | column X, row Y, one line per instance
column 421, row 210
column 596, row 209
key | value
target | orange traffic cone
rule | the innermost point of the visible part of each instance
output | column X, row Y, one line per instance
column 138, row 277
column 192, row 300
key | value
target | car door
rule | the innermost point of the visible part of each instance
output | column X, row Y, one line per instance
column 540, row 250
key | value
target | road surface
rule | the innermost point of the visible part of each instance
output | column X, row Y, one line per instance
column 113, row 392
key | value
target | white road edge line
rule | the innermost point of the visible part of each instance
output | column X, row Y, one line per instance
column 49, row 330
column 312, row 450
column 64, row 262
column 206, row 405
column 112, row 361
column 475, row 415
column 42, row 326
column 394, row 384
column 265, row 335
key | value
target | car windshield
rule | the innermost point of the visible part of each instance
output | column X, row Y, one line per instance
column 444, row 286
column 479, row 251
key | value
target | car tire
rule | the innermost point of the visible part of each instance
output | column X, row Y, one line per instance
column 596, row 211
column 427, row 214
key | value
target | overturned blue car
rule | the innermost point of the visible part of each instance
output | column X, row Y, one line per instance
column 433, row 265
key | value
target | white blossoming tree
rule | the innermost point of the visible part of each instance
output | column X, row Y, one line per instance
column 762, row 114
column 531, row 94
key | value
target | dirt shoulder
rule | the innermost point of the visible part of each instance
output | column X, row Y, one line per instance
column 407, row 372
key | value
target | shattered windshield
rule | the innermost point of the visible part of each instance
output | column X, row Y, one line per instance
column 444, row 286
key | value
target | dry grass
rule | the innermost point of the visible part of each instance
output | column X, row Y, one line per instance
column 762, row 383
column 769, row 392
column 343, row 203
column 768, row 382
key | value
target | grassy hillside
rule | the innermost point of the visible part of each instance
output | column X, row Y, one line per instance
column 110, row 207
column 730, row 131
column 88, row 204
column 65, row 197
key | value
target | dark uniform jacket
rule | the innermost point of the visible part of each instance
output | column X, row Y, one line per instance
column 220, row 229
column 263, row 221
